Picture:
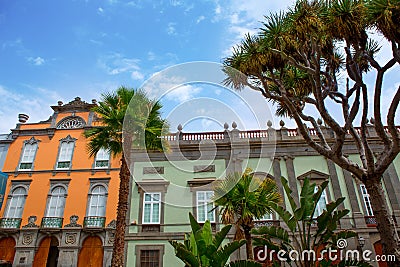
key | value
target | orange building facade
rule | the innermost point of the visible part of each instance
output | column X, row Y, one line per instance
column 60, row 204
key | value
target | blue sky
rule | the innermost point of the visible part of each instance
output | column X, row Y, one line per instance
column 57, row 50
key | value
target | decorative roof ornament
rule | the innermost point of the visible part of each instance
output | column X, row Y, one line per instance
column 75, row 105
column 72, row 122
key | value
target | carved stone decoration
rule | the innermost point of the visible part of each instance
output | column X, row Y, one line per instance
column 111, row 238
column 112, row 224
column 153, row 170
column 204, row 168
column 73, row 221
column 70, row 238
column 31, row 222
column 31, row 141
column 72, row 122
column 27, row 238
column 75, row 105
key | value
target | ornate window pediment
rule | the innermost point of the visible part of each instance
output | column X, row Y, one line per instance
column 315, row 176
column 72, row 122
column 31, row 141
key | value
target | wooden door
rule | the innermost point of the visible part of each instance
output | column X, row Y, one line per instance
column 91, row 253
column 42, row 253
column 7, row 249
column 379, row 251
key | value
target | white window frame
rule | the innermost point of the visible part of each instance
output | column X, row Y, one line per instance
column 152, row 202
column 102, row 155
column 205, row 201
column 266, row 217
column 56, row 202
column 367, row 200
column 324, row 196
column 97, row 201
column 16, row 203
column 28, row 155
column 65, row 154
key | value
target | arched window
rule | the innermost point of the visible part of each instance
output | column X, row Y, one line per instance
column 28, row 156
column 65, row 152
column 97, row 201
column 56, row 204
column 71, row 123
column 16, row 203
column 102, row 158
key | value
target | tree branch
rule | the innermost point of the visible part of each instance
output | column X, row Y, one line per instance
column 390, row 120
column 380, row 130
column 369, row 156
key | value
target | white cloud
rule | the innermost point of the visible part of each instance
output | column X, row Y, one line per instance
column 171, row 30
column 151, row 55
column 136, row 75
column 200, row 19
column 245, row 17
column 12, row 103
column 218, row 9
column 117, row 63
column 38, row 61
column 183, row 93
column 100, row 10
column 176, row 3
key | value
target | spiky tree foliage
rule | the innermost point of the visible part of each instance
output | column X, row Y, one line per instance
column 243, row 198
column 304, row 231
column 143, row 124
column 296, row 61
column 202, row 249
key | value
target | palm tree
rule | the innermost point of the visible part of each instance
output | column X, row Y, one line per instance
column 124, row 115
column 242, row 199
column 299, row 61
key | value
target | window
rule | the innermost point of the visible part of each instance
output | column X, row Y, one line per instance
column 367, row 200
column 266, row 217
column 149, row 255
column 56, row 202
column 102, row 158
column 65, row 155
column 151, row 208
column 205, row 206
column 97, row 201
column 71, row 123
column 321, row 205
column 16, row 203
column 149, row 258
column 28, row 154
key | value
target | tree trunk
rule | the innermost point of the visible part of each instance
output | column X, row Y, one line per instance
column 249, row 245
column 385, row 223
column 123, row 193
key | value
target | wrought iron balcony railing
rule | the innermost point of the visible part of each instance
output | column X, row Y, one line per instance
column 266, row 223
column 51, row 222
column 370, row 221
column 10, row 223
column 94, row 222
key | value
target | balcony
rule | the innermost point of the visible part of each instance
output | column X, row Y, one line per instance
column 51, row 222
column 94, row 222
column 370, row 221
column 10, row 223
column 260, row 223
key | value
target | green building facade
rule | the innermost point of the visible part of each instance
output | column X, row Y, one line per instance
column 166, row 186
